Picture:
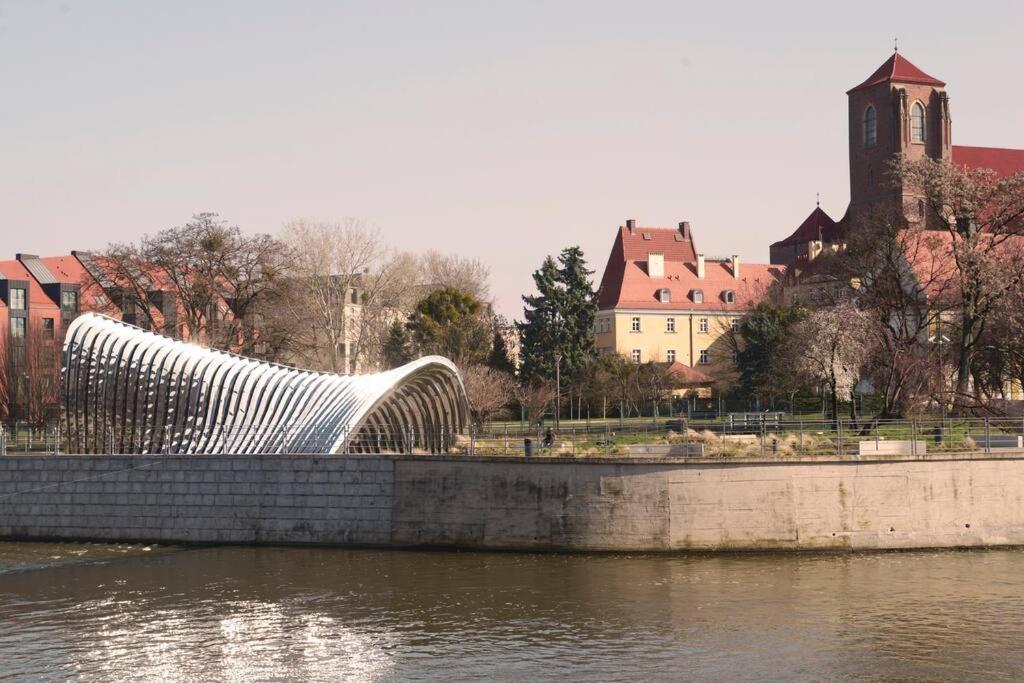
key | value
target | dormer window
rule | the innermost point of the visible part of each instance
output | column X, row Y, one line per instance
column 697, row 295
column 664, row 295
column 729, row 296
column 918, row 131
column 870, row 127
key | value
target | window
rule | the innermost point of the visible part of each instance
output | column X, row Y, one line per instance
column 17, row 299
column 100, row 300
column 920, row 209
column 670, row 355
column 705, row 357
column 670, row 324
column 636, row 324
column 18, row 328
column 698, row 296
column 729, row 296
column 635, row 355
column 355, row 296
column 664, row 296
column 918, row 131
column 69, row 301
column 870, row 127
column 702, row 325
column 735, row 323
column 47, row 328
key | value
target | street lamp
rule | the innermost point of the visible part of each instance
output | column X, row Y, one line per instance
column 558, row 386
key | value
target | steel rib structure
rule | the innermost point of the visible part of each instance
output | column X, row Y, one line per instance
column 126, row 390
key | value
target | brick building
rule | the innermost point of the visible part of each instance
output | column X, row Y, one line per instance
column 899, row 110
column 39, row 297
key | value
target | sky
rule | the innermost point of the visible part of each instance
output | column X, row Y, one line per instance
column 501, row 131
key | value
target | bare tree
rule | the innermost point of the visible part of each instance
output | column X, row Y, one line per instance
column 829, row 349
column 41, row 388
column 352, row 288
column 251, row 273
column 205, row 281
column 5, row 377
column 535, row 398
column 904, row 284
column 450, row 270
column 488, row 390
column 980, row 217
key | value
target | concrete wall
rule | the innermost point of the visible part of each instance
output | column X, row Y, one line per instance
column 549, row 504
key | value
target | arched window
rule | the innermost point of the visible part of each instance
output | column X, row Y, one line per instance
column 870, row 126
column 729, row 296
column 920, row 209
column 664, row 296
column 918, row 131
column 697, row 295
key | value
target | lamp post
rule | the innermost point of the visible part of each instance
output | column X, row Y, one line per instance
column 558, row 386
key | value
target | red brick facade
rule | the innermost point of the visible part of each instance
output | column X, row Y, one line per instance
column 911, row 117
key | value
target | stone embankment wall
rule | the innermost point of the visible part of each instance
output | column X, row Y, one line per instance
column 539, row 504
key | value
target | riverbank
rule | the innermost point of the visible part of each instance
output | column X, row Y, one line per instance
column 531, row 504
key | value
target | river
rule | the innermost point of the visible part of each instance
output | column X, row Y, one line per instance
column 236, row 613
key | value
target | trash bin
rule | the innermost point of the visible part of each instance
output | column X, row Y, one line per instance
column 938, row 434
column 527, row 447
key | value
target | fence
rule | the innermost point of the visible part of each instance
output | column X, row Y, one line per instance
column 769, row 435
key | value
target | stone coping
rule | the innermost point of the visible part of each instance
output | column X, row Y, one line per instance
column 851, row 459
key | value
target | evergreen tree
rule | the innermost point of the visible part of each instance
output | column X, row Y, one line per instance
column 500, row 358
column 453, row 323
column 762, row 332
column 559, row 319
column 579, row 308
column 397, row 346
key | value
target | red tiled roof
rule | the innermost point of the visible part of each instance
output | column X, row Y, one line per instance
column 638, row 290
column 1004, row 162
column 818, row 225
column 634, row 247
column 897, row 69
column 688, row 376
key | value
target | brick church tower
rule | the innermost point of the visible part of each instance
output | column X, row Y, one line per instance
column 898, row 110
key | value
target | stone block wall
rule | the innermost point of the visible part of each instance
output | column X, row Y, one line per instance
column 199, row 499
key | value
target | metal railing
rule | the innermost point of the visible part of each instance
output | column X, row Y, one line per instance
column 768, row 437
column 772, row 436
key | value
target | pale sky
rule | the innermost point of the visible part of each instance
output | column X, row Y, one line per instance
column 503, row 131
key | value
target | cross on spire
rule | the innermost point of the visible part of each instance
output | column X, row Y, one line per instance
column 896, row 44
column 817, row 199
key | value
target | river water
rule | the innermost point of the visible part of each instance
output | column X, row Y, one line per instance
column 152, row 613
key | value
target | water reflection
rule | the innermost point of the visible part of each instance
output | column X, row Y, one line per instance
column 319, row 614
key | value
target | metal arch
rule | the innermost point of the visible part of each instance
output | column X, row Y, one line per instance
column 141, row 392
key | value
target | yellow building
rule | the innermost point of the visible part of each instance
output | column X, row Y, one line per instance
column 662, row 301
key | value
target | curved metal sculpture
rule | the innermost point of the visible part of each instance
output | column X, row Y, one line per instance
column 126, row 390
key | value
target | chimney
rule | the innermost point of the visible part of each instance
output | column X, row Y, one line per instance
column 655, row 265
column 631, row 225
column 736, row 266
column 700, row 266
column 684, row 229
